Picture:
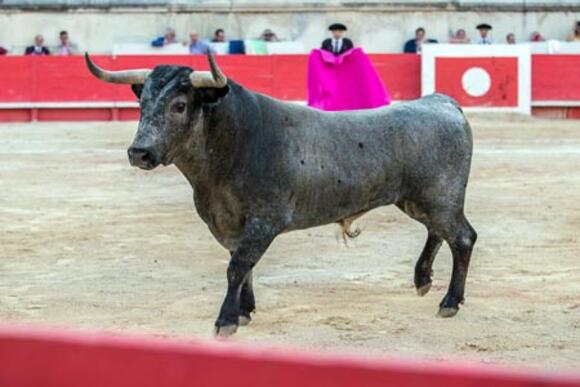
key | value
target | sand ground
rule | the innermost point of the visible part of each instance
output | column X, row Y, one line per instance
column 87, row 241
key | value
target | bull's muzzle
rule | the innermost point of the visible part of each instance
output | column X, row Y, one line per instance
column 143, row 157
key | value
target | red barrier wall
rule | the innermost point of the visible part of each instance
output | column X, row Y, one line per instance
column 33, row 80
column 66, row 79
column 555, row 78
column 60, row 360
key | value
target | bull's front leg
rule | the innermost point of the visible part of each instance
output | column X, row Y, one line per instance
column 247, row 301
column 257, row 236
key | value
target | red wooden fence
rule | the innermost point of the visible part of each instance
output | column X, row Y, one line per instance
column 34, row 358
column 33, row 87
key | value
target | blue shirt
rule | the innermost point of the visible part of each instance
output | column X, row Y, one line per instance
column 199, row 48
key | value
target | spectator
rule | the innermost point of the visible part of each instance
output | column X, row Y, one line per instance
column 167, row 39
column 484, row 36
column 536, row 37
column 575, row 37
column 415, row 45
column 460, row 37
column 269, row 36
column 337, row 44
column 510, row 38
column 66, row 47
column 196, row 46
column 219, row 36
column 38, row 48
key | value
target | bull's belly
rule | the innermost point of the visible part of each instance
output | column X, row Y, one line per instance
column 333, row 211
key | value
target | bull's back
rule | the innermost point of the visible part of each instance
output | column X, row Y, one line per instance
column 340, row 164
column 437, row 141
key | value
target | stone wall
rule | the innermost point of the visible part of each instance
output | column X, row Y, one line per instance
column 377, row 26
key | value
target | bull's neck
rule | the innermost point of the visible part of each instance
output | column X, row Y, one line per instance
column 225, row 128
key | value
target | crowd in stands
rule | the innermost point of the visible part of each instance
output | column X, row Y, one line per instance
column 336, row 44
column 197, row 45
column 484, row 37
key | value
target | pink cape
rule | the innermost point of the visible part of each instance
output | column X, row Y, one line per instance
column 344, row 82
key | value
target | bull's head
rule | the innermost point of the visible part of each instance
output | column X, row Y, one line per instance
column 171, row 99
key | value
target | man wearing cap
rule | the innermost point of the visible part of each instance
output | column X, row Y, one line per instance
column 484, row 37
column 337, row 44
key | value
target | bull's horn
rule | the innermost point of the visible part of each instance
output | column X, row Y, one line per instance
column 133, row 77
column 214, row 78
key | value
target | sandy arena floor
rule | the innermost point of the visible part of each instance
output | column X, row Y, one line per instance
column 86, row 240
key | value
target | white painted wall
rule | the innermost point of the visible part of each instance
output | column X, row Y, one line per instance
column 376, row 26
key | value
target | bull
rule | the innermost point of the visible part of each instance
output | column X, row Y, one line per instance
column 260, row 167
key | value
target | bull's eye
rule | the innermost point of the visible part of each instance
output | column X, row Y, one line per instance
column 178, row 107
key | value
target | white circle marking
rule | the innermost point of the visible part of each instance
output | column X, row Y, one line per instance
column 476, row 81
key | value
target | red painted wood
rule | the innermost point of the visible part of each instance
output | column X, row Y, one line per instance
column 289, row 77
column 66, row 79
column 17, row 78
column 103, row 114
column 401, row 74
column 502, row 71
column 63, row 79
column 33, row 358
column 129, row 114
column 15, row 115
column 574, row 113
column 555, row 77
column 550, row 112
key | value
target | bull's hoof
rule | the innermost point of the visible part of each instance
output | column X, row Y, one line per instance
column 447, row 312
column 244, row 319
column 422, row 290
column 222, row 331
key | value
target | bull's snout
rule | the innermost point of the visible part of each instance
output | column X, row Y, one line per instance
column 144, row 158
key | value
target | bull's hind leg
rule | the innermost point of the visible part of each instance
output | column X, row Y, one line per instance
column 424, row 266
column 247, row 300
column 460, row 237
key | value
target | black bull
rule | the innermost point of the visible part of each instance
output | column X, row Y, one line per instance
column 261, row 167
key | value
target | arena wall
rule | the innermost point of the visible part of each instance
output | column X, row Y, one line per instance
column 61, row 89
column 377, row 26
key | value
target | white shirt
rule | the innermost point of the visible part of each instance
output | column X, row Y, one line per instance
column 486, row 40
column 336, row 45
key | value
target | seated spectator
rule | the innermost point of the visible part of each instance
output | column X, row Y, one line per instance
column 415, row 45
column 219, row 36
column 484, row 36
column 3, row 51
column 575, row 37
column 66, row 47
column 460, row 37
column 510, row 38
column 337, row 44
column 536, row 37
column 197, row 46
column 168, row 38
column 38, row 48
column 269, row 36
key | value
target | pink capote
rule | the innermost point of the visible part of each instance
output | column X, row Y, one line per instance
column 344, row 82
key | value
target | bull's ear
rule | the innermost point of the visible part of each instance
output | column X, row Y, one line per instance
column 137, row 90
column 213, row 95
